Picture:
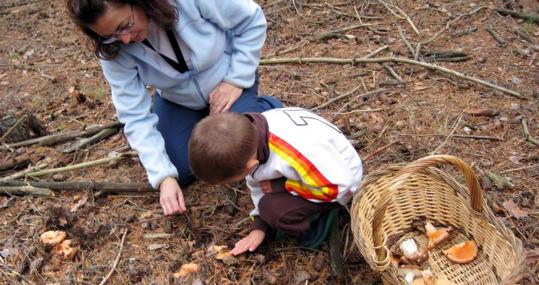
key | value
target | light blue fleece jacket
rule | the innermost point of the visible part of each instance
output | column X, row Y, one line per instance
column 224, row 38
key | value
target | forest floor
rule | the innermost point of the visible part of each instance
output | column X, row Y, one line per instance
column 46, row 70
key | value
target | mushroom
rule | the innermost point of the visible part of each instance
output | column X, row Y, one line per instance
column 421, row 281
column 411, row 255
column 66, row 250
column 186, row 269
column 436, row 235
column 464, row 252
column 52, row 238
column 409, row 272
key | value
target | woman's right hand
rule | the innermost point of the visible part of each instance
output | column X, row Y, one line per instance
column 171, row 197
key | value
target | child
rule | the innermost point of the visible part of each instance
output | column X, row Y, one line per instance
column 297, row 165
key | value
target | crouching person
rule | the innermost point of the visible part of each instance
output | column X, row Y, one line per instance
column 299, row 167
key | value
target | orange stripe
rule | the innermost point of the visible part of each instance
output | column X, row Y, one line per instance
column 310, row 174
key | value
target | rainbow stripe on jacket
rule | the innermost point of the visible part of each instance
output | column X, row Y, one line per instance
column 315, row 185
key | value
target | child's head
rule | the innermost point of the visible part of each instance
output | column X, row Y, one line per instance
column 222, row 148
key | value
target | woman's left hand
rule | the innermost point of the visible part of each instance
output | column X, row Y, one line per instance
column 223, row 96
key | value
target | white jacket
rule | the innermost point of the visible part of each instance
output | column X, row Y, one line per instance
column 317, row 160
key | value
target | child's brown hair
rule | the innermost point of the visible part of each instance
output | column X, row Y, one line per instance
column 220, row 147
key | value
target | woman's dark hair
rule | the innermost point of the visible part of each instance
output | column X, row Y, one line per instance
column 86, row 12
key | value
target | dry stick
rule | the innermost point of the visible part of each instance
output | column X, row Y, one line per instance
column 336, row 98
column 392, row 72
column 24, row 172
column 70, row 167
column 62, row 137
column 368, row 157
column 528, row 17
column 15, row 162
column 103, row 134
column 524, row 36
column 527, row 135
column 377, row 51
column 25, row 190
column 106, row 187
column 389, row 59
column 448, row 137
column 402, row 16
column 497, row 37
column 116, row 260
column 12, row 128
column 406, row 42
column 448, row 24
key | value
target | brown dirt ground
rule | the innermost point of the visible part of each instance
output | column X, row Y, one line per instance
column 45, row 69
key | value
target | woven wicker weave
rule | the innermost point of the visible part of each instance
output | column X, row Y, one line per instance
column 392, row 198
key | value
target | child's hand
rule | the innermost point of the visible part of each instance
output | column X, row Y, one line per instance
column 250, row 242
column 171, row 197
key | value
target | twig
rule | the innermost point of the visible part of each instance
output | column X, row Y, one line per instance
column 62, row 137
column 70, row 167
column 24, row 172
column 25, row 190
column 392, row 72
column 497, row 37
column 16, row 162
column 107, row 187
column 336, row 98
column 103, row 134
column 12, row 127
column 464, row 32
column 116, row 260
column 475, row 137
column 406, row 42
column 377, row 51
column 524, row 36
column 390, row 59
column 448, row 136
column 448, row 24
column 528, row 17
column 403, row 15
column 332, row 33
column 368, row 157
column 527, row 135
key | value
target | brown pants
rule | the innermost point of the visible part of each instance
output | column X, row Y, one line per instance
column 289, row 213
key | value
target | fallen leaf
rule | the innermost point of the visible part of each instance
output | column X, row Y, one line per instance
column 514, row 209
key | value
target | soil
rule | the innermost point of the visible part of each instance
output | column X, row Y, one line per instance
column 46, row 69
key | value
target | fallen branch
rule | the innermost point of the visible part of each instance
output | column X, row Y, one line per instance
column 104, row 187
column 393, row 73
column 354, row 61
column 449, row 136
column 14, row 163
column 496, row 37
column 37, row 167
column 62, row 137
column 448, row 24
column 406, row 42
column 377, row 51
column 524, row 36
column 368, row 157
column 71, row 167
column 336, row 98
column 464, row 32
column 116, row 260
column 25, row 190
column 527, row 134
column 528, row 17
column 103, row 134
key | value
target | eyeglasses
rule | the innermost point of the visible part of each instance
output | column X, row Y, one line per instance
column 121, row 30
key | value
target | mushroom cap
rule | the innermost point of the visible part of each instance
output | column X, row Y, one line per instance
column 436, row 235
column 464, row 252
column 421, row 281
column 52, row 238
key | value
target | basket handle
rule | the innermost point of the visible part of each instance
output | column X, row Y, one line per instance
column 476, row 192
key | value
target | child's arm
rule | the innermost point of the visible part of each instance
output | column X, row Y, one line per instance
column 249, row 243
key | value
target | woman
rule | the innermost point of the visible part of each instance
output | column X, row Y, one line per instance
column 200, row 55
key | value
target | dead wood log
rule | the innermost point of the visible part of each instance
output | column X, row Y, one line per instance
column 358, row 60
column 528, row 17
column 62, row 137
column 445, row 55
column 25, row 190
column 501, row 42
column 14, row 163
column 104, row 187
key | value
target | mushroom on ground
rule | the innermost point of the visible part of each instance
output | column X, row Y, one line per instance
column 52, row 238
column 464, row 252
column 66, row 250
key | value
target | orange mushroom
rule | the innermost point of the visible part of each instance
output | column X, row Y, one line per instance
column 436, row 235
column 421, row 281
column 464, row 252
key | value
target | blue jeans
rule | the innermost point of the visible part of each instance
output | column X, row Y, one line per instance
column 177, row 122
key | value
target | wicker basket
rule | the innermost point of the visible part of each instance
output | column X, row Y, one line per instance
column 392, row 198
